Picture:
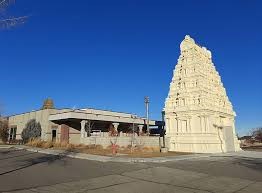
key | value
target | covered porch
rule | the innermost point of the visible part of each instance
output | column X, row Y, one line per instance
column 87, row 124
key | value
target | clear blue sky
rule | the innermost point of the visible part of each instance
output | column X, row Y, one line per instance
column 110, row 54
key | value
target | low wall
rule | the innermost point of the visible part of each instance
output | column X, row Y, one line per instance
column 142, row 141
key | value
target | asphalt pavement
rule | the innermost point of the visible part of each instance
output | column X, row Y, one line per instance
column 27, row 171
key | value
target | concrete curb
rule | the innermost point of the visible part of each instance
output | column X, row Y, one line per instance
column 6, row 146
column 243, row 154
column 112, row 159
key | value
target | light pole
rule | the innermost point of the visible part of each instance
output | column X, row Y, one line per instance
column 147, row 113
column 133, row 129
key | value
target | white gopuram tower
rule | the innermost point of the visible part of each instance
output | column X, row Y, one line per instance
column 198, row 114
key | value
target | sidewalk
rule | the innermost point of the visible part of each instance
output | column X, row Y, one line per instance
column 101, row 158
column 119, row 158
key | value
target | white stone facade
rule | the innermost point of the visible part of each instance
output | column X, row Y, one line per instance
column 198, row 114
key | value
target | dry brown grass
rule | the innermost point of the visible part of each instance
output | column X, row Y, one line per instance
column 60, row 145
column 48, row 144
column 35, row 142
column 126, row 151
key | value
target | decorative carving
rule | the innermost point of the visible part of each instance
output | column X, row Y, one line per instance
column 201, row 92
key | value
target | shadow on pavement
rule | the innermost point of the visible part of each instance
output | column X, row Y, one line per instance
column 9, row 150
column 49, row 159
column 16, row 156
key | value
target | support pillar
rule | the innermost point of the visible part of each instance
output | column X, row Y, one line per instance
column 83, row 125
column 176, row 125
column 179, row 126
column 115, row 126
column 140, row 129
column 189, row 124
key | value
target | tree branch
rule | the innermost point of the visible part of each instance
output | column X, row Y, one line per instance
column 10, row 22
column 5, row 3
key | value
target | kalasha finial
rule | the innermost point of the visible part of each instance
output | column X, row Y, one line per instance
column 48, row 104
column 187, row 37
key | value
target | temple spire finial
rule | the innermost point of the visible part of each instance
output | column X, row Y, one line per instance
column 48, row 104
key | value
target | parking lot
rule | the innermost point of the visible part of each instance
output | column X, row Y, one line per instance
column 25, row 171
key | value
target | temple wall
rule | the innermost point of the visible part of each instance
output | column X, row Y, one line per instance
column 199, row 135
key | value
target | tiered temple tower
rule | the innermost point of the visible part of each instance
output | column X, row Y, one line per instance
column 198, row 114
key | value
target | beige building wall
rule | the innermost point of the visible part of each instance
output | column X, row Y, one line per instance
column 74, row 136
column 41, row 116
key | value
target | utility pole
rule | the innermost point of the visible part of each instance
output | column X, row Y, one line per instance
column 133, row 132
column 147, row 113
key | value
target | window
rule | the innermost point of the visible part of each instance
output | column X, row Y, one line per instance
column 12, row 134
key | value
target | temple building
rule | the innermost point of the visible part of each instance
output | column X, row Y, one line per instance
column 198, row 114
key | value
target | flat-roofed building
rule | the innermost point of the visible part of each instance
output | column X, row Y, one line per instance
column 87, row 126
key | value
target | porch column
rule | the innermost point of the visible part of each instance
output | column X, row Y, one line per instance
column 140, row 129
column 115, row 126
column 83, row 124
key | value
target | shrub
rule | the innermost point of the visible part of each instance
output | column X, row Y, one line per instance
column 32, row 130
column 3, row 130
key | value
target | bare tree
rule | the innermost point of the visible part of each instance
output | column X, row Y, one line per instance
column 89, row 127
column 1, row 110
column 9, row 21
column 257, row 134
